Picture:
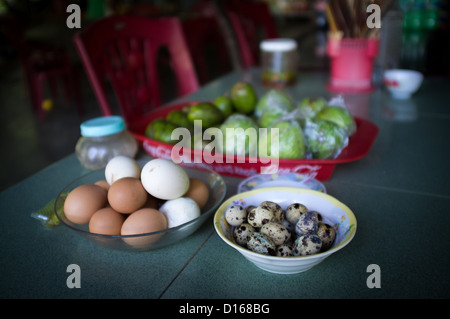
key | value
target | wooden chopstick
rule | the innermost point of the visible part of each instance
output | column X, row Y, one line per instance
column 348, row 17
column 339, row 18
column 330, row 18
column 385, row 6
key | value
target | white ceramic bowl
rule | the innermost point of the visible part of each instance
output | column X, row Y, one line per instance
column 280, row 180
column 402, row 83
column 333, row 212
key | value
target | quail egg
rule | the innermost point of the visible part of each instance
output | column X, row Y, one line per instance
column 308, row 244
column 294, row 211
column 307, row 223
column 261, row 244
column 260, row 215
column 235, row 215
column 288, row 225
column 277, row 232
column 242, row 233
column 249, row 208
column 327, row 234
column 275, row 208
column 284, row 251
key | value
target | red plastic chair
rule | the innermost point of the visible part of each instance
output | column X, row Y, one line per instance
column 144, row 9
column 123, row 50
column 207, row 43
column 41, row 64
column 251, row 21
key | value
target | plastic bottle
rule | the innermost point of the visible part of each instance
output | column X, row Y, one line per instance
column 102, row 139
column 389, row 55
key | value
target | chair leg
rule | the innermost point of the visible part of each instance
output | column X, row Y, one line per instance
column 73, row 89
column 53, row 84
column 67, row 84
column 77, row 92
column 38, row 96
column 30, row 88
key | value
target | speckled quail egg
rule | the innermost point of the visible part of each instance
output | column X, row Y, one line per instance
column 284, row 251
column 288, row 225
column 259, row 216
column 249, row 208
column 294, row 211
column 275, row 208
column 242, row 233
column 307, row 223
column 276, row 231
column 235, row 215
column 261, row 244
column 327, row 234
column 308, row 244
column 319, row 217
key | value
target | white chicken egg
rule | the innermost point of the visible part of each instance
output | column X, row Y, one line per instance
column 179, row 211
column 164, row 179
column 121, row 166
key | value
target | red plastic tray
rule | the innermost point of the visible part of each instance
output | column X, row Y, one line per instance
column 358, row 146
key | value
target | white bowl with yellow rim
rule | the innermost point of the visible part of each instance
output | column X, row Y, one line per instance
column 332, row 210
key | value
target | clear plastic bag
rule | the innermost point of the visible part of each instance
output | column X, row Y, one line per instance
column 272, row 105
column 291, row 140
column 326, row 128
column 324, row 139
column 47, row 215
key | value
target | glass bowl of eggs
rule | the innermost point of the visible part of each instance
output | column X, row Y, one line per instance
column 140, row 206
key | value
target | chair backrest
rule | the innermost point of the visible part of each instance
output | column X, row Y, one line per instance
column 35, row 57
column 145, row 9
column 206, row 42
column 123, row 50
column 14, row 31
column 252, row 22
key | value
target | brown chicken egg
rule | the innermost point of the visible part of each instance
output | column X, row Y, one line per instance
column 152, row 202
column 103, row 183
column 106, row 221
column 198, row 191
column 145, row 220
column 127, row 195
column 83, row 201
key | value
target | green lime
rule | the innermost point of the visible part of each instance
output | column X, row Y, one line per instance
column 291, row 141
column 207, row 112
column 325, row 139
column 154, row 126
column 274, row 100
column 161, row 130
column 244, row 97
column 224, row 104
column 178, row 117
column 339, row 116
column 309, row 107
column 236, row 139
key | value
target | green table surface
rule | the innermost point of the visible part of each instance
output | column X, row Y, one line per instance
column 399, row 193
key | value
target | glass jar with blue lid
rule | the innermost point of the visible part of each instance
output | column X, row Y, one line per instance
column 102, row 139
